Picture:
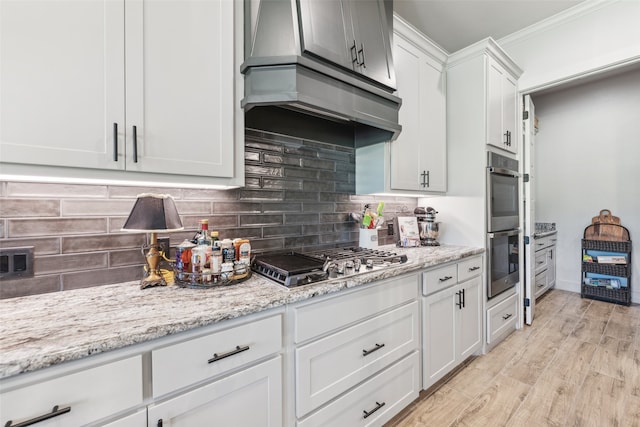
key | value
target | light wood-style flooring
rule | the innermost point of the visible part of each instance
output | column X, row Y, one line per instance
column 577, row 365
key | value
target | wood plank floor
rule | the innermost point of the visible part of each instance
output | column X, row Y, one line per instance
column 577, row 365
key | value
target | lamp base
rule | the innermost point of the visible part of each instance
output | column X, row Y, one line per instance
column 151, row 280
column 152, row 277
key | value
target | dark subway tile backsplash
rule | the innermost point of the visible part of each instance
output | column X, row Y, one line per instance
column 298, row 196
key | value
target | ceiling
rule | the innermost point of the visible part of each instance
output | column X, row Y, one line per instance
column 454, row 24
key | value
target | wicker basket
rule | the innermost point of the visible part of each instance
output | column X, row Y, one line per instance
column 608, row 269
column 606, row 245
column 618, row 296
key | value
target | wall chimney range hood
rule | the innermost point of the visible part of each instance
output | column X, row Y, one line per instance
column 293, row 84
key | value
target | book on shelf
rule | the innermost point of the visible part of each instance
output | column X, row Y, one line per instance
column 603, row 283
column 612, row 259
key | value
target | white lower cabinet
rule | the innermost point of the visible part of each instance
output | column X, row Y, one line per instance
column 451, row 317
column 332, row 365
column 347, row 353
column 545, row 267
column 249, row 398
column 501, row 318
column 375, row 401
column 179, row 365
column 75, row 398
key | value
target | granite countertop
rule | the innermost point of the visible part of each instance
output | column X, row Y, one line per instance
column 544, row 229
column 44, row 330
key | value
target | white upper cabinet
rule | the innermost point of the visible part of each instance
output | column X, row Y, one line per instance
column 140, row 86
column 419, row 155
column 351, row 33
column 501, row 107
column 62, row 82
column 416, row 162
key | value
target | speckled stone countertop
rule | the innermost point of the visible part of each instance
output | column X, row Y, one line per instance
column 544, row 229
column 44, row 330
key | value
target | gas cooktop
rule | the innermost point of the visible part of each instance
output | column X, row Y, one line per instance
column 295, row 269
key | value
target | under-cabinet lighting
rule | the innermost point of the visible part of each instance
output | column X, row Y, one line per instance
column 98, row 181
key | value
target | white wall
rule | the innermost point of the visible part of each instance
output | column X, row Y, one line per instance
column 590, row 37
column 588, row 159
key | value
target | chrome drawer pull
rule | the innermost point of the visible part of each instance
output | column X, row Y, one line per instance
column 507, row 316
column 474, row 268
column 445, row 278
column 217, row 356
column 54, row 413
column 378, row 406
column 376, row 348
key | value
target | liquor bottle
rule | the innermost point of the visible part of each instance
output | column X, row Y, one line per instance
column 203, row 237
column 215, row 239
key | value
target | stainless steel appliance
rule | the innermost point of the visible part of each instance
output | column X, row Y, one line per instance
column 503, row 221
column 295, row 269
column 503, row 259
column 427, row 226
column 502, row 193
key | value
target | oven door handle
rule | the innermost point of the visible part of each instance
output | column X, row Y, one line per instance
column 513, row 232
column 501, row 171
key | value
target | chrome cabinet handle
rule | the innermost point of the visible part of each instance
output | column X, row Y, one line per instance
column 135, row 144
column 371, row 412
column 376, row 348
column 55, row 412
column 362, row 61
column 217, row 356
column 445, row 278
column 354, row 53
column 115, row 142
column 425, row 179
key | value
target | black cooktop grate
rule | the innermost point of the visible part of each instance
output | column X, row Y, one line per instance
column 294, row 269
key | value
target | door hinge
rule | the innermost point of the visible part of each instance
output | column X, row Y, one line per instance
column 525, row 115
column 527, row 302
column 525, row 177
column 526, row 240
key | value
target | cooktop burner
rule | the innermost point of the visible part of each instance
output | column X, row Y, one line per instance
column 295, row 269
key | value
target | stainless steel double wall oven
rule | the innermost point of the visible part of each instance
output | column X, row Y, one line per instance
column 503, row 220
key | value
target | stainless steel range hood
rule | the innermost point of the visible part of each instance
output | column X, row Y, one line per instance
column 291, row 92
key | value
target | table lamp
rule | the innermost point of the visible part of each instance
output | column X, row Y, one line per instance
column 153, row 213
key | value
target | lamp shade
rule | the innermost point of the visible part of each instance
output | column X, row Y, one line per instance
column 153, row 212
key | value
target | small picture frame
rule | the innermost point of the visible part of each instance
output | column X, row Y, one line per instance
column 407, row 231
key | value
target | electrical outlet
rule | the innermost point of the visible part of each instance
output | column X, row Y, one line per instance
column 165, row 246
column 16, row 263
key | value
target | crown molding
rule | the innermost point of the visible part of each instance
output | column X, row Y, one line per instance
column 411, row 34
column 560, row 18
column 489, row 47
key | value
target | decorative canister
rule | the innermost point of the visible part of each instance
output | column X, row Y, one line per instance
column 183, row 259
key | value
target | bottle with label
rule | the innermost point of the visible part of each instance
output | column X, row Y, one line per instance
column 228, row 251
column 215, row 239
column 203, row 236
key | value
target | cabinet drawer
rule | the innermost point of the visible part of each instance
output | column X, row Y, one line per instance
column 545, row 242
column 502, row 317
column 439, row 278
column 389, row 391
column 250, row 397
column 540, row 261
column 470, row 268
column 90, row 394
column 317, row 318
column 331, row 365
column 197, row 359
